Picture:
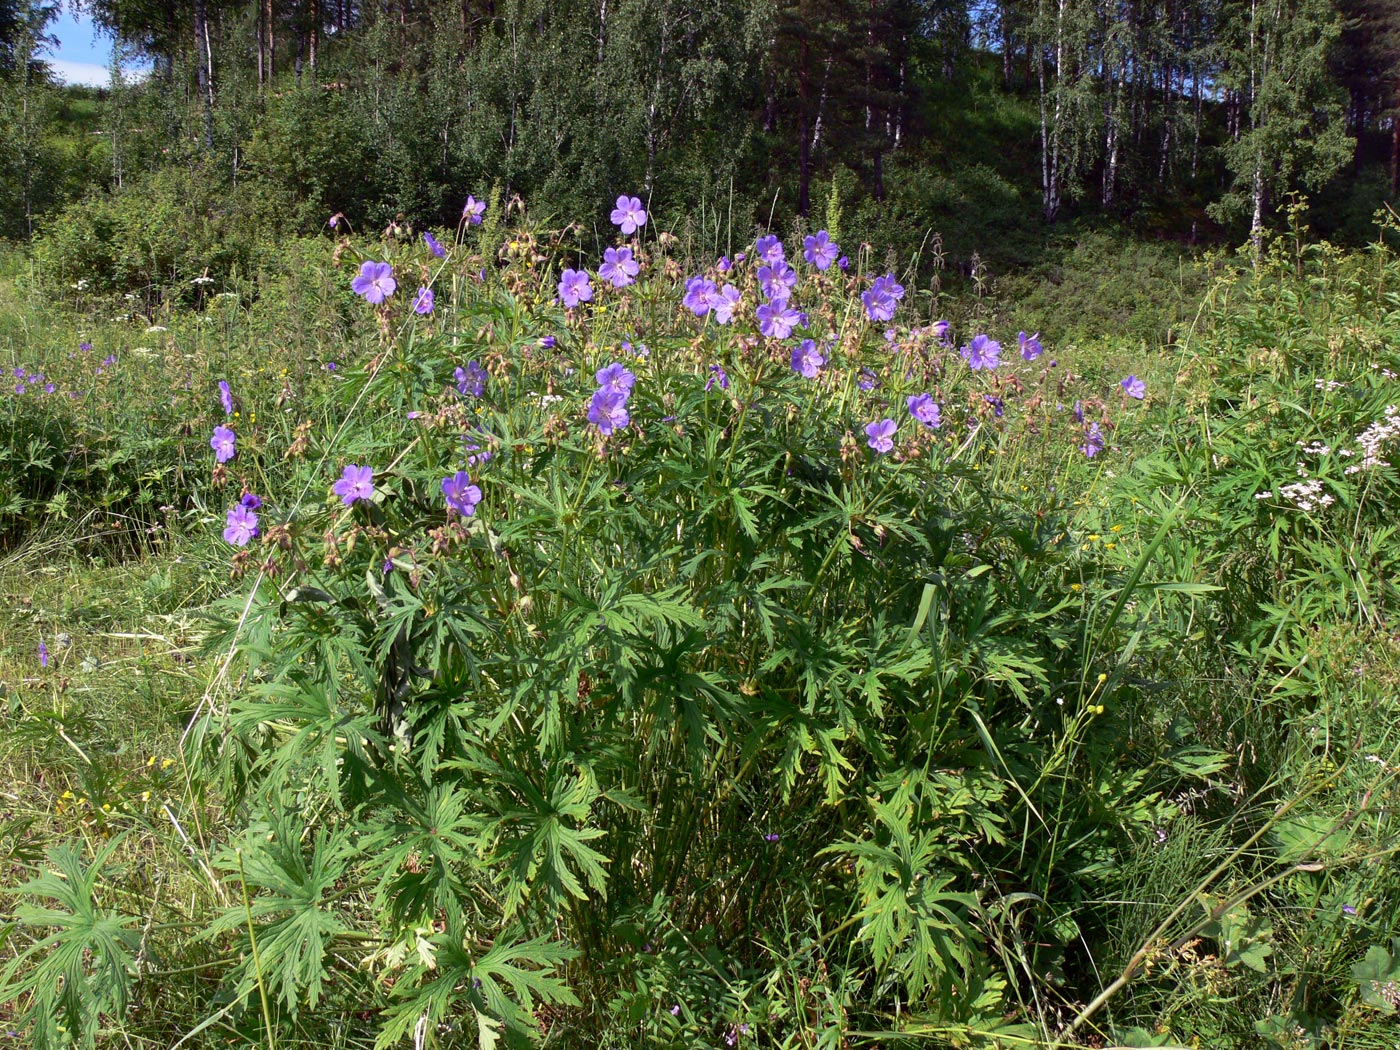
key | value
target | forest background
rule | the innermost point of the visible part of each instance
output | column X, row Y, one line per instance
column 980, row 138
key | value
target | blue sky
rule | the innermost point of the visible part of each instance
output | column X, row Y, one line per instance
column 82, row 55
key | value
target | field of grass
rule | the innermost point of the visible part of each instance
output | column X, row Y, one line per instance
column 706, row 719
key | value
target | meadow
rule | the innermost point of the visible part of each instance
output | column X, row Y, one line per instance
column 469, row 638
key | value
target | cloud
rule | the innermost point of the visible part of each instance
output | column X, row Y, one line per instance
column 89, row 74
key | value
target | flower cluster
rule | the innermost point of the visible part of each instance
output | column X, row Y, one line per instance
column 608, row 408
column 882, row 297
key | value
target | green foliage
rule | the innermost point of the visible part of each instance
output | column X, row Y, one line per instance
column 69, row 978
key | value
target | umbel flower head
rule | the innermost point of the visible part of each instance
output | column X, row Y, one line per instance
column 375, row 282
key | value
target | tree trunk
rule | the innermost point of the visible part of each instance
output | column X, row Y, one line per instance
column 204, row 69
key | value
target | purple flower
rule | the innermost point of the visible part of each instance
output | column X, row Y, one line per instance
column 618, row 267
column 473, row 210
column 1134, row 387
column 19, row 388
column 982, row 352
column 998, row 405
column 724, row 264
column 776, row 320
column 925, row 409
column 356, row 483
column 717, row 376
column 881, row 298
column 880, row 434
column 48, row 388
column 574, row 288
column 333, row 221
column 375, row 282
column 548, row 342
column 820, row 250
column 471, row 381
column 43, row 655
column 225, row 397
column 423, row 301
column 241, row 525
column 771, row 836
column 777, row 280
column 461, row 495
column 698, row 295
column 628, row 215
column 250, row 501
column 85, row 346
column 433, row 245
column 843, row 264
column 1347, row 909
column 222, row 444
column 1093, row 441
column 769, row 249
column 1030, row 346
column 1078, row 412
column 724, row 303
column 615, row 379
column 940, row 332
column 476, row 453
column 807, row 360
column 608, row 411
column 867, row 380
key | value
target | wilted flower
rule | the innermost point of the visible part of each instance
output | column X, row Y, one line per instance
column 820, row 250
column 807, row 360
column 718, row 376
column 473, row 210
column 471, row 381
column 724, row 264
column 43, row 655
column 433, row 245
column 867, row 380
column 608, row 411
column 461, row 495
column 1134, row 387
column 355, row 483
column 423, row 301
column 776, row 320
column 375, row 282
column 574, row 288
column 618, row 267
column 880, row 434
column 923, row 408
column 1030, row 346
column 770, row 249
column 222, row 443
column 240, row 526
column 982, row 352
column 1093, row 441
column 225, row 397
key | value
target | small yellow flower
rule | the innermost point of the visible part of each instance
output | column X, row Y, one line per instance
column 1094, row 537
column 1076, row 587
column 1102, row 678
